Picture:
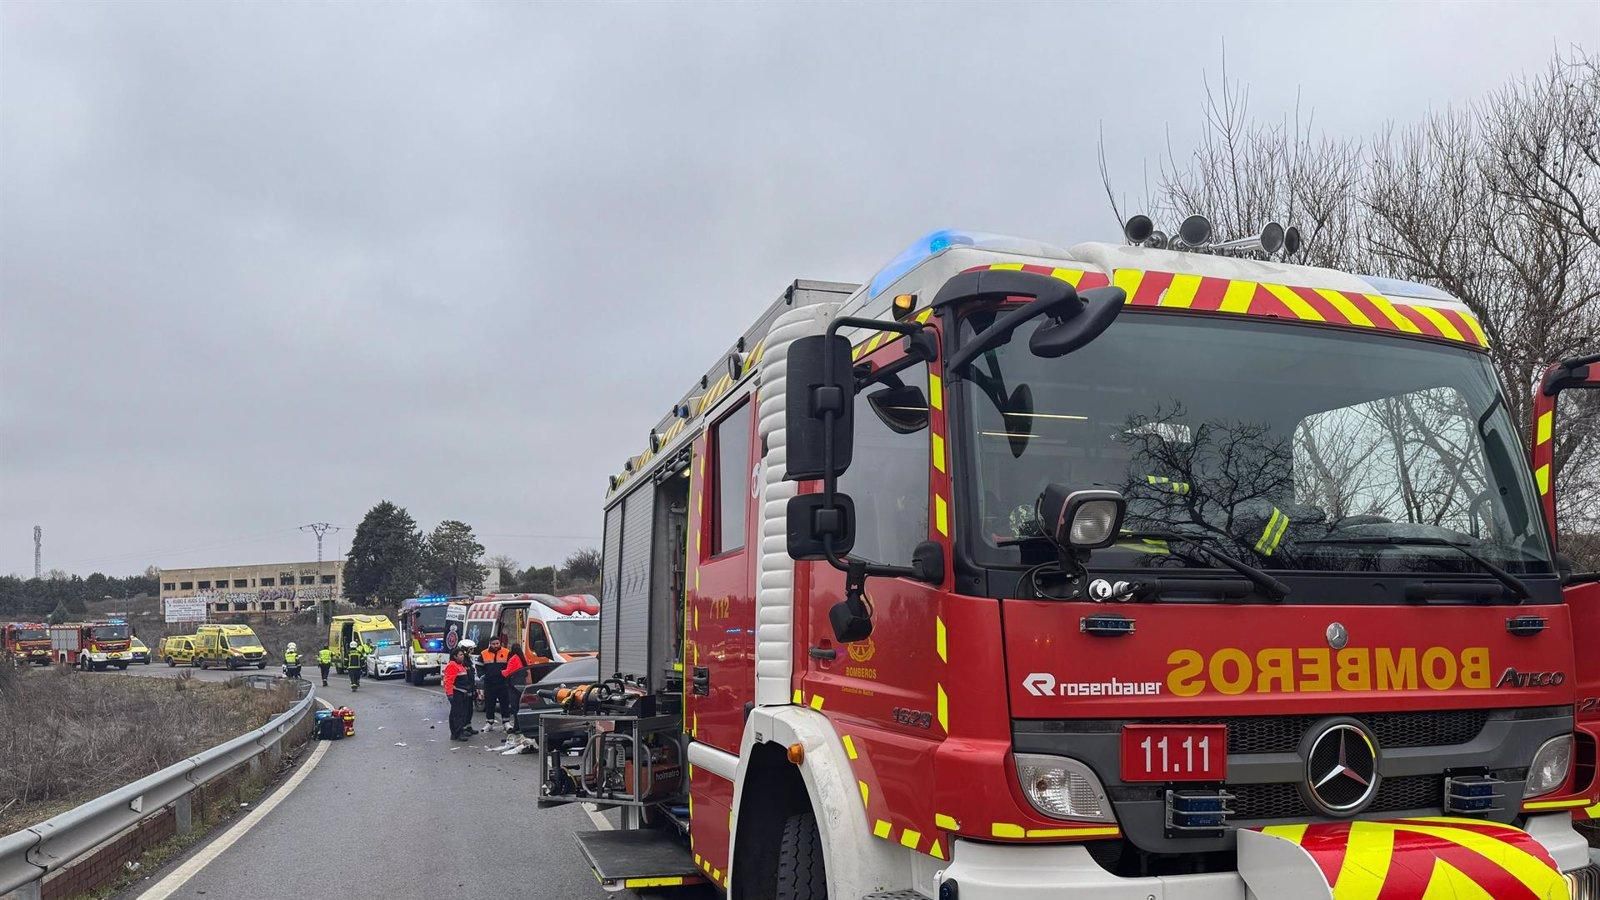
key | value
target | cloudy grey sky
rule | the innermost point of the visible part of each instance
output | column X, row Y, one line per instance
column 263, row 265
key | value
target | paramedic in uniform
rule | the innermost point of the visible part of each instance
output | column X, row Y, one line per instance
column 492, row 663
column 458, row 687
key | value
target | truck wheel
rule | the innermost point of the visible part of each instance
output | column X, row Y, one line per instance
column 801, row 875
column 170, row 663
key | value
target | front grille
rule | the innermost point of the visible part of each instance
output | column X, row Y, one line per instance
column 1282, row 800
column 1283, row 734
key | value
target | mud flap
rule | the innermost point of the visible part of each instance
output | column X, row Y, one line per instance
column 1403, row 859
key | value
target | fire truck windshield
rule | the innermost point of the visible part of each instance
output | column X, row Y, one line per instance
column 31, row 634
column 109, row 632
column 1267, row 438
column 429, row 619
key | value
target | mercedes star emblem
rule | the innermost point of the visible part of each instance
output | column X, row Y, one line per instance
column 1337, row 636
column 1342, row 769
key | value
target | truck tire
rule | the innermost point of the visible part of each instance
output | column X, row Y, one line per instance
column 801, row 875
column 170, row 663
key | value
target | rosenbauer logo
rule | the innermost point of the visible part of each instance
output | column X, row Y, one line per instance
column 1043, row 684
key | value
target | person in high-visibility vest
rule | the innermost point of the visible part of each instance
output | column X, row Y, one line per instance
column 355, row 660
column 325, row 662
column 515, row 675
column 291, row 661
column 492, row 663
column 458, row 688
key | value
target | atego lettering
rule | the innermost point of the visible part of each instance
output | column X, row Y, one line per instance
column 1512, row 678
column 1288, row 670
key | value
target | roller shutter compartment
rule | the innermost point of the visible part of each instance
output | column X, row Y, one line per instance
column 633, row 588
column 609, row 581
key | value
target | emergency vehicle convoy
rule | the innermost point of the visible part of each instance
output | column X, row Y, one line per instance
column 1160, row 570
column 24, row 643
column 92, row 645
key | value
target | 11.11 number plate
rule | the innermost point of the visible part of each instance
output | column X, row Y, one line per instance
column 1174, row 752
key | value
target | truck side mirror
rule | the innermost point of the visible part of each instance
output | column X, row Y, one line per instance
column 1580, row 373
column 811, row 518
column 819, row 386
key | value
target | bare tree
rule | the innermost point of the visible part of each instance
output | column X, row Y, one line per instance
column 1496, row 203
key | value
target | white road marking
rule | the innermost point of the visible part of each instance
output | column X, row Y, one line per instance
column 599, row 820
column 191, row 867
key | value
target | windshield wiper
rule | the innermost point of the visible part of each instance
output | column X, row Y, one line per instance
column 1270, row 586
column 1515, row 585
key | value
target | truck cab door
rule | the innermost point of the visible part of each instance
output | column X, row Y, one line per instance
column 719, row 677
column 1575, row 382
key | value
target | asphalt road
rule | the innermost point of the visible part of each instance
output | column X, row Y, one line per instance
column 434, row 818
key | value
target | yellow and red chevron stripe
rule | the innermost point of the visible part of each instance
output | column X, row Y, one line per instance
column 1198, row 293
column 1428, row 859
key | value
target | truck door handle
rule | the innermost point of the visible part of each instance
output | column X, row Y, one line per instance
column 701, row 682
column 824, row 653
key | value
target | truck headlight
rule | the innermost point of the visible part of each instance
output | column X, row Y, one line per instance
column 1549, row 768
column 1062, row 788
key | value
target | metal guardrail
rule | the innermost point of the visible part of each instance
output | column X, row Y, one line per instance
column 32, row 853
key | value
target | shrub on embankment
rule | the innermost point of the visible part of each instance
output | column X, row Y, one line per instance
column 71, row 736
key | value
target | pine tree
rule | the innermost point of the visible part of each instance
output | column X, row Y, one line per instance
column 453, row 559
column 385, row 556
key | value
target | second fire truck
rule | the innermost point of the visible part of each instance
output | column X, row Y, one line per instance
column 1117, row 571
column 25, row 643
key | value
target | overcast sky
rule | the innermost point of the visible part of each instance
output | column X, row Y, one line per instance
column 263, row 265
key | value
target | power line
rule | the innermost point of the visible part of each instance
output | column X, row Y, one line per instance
column 320, row 529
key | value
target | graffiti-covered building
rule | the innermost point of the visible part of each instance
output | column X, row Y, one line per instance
column 265, row 588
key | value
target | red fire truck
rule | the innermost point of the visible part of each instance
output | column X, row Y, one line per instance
column 25, row 642
column 1167, row 569
column 92, row 645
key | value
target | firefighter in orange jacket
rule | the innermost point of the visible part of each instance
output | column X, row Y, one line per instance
column 458, row 687
column 491, row 664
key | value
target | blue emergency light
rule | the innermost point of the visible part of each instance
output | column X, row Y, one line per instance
column 926, row 246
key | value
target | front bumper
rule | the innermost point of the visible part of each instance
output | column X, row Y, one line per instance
column 391, row 666
column 1497, row 860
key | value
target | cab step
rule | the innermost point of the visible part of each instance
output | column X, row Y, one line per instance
column 638, row 858
column 906, row 894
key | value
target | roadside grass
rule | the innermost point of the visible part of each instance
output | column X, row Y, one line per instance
column 71, row 736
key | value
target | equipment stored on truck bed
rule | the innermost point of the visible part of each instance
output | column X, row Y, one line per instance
column 1110, row 571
